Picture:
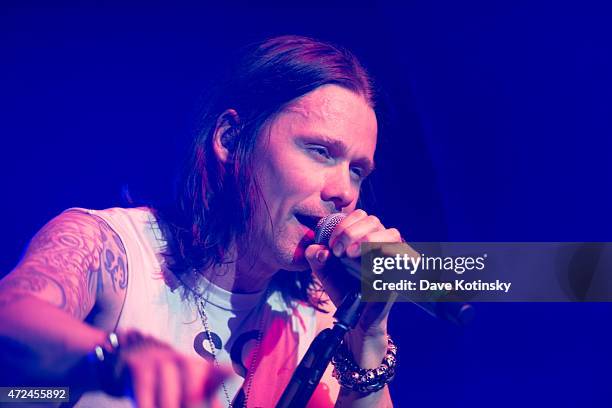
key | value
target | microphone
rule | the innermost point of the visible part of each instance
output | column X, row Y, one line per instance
column 456, row 312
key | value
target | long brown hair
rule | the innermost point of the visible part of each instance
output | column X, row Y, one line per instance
column 215, row 202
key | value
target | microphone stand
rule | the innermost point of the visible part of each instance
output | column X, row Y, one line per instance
column 310, row 370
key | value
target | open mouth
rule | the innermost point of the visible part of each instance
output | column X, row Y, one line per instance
column 309, row 221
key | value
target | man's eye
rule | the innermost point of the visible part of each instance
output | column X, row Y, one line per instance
column 320, row 151
column 358, row 171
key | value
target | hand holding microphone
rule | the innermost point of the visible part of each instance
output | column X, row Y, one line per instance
column 368, row 340
column 337, row 267
column 340, row 236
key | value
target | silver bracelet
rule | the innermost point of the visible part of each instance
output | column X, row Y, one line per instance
column 364, row 380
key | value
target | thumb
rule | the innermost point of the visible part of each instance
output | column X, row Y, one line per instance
column 321, row 262
column 317, row 256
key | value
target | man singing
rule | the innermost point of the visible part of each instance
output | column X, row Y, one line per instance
column 217, row 297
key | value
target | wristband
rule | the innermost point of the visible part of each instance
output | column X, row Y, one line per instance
column 364, row 380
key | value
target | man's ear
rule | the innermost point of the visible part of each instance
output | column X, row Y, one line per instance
column 225, row 135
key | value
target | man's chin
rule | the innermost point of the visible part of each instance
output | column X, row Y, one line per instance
column 299, row 254
column 293, row 258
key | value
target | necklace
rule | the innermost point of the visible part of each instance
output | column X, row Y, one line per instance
column 201, row 303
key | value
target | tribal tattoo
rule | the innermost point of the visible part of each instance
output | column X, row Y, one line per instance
column 71, row 261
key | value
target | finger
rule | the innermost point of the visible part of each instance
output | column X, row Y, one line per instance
column 196, row 373
column 390, row 236
column 354, row 234
column 317, row 256
column 334, row 282
column 388, row 240
column 345, row 223
column 143, row 378
column 192, row 385
column 399, row 247
column 168, row 383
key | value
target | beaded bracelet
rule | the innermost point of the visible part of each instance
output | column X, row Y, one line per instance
column 364, row 380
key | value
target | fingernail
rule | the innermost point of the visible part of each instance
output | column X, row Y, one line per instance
column 321, row 256
column 354, row 249
column 338, row 248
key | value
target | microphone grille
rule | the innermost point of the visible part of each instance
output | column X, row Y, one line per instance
column 326, row 226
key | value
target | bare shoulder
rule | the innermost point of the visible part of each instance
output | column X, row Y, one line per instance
column 74, row 261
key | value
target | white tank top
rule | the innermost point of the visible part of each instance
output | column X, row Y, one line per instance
column 235, row 320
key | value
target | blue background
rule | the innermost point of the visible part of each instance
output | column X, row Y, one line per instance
column 496, row 127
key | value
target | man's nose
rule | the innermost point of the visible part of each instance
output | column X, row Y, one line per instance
column 339, row 188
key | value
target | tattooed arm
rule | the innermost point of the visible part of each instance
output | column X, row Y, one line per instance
column 75, row 271
column 73, row 263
